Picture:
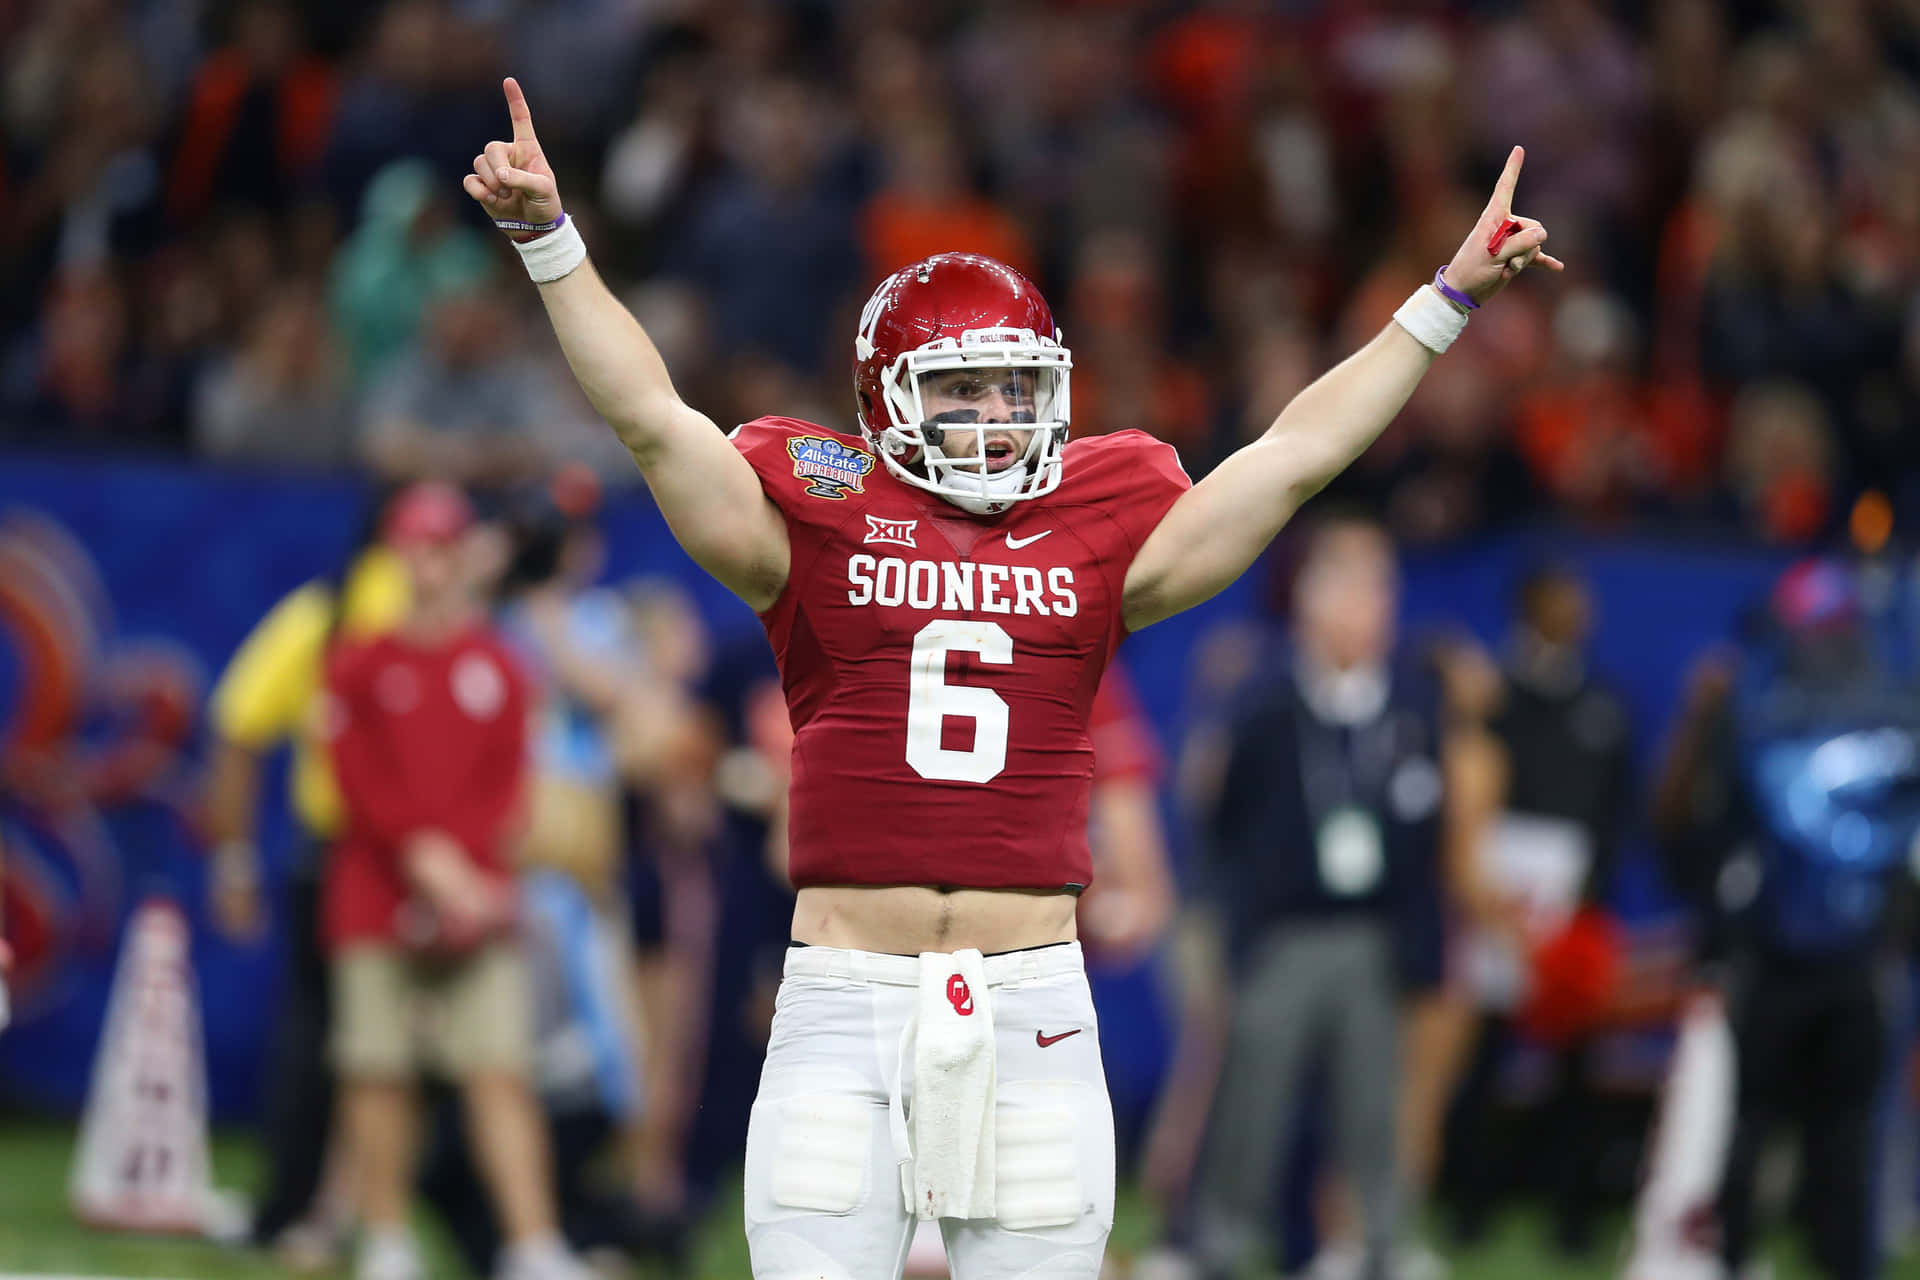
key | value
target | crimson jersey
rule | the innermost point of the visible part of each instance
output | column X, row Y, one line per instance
column 939, row 668
column 420, row 737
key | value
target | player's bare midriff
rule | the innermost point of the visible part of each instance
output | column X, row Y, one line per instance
column 910, row 918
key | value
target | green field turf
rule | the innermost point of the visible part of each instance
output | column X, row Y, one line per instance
column 38, row 1236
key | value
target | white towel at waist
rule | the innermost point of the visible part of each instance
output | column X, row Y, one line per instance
column 945, row 1141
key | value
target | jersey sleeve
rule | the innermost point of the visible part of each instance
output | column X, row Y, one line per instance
column 809, row 473
column 807, row 470
column 1134, row 477
column 263, row 692
column 762, row 443
column 1156, row 481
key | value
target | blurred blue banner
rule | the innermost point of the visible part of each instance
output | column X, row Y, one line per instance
column 125, row 586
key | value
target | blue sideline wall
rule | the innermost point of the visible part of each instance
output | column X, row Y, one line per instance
column 173, row 564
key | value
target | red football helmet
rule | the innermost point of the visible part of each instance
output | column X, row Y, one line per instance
column 960, row 311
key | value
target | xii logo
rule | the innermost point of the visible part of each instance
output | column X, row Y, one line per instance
column 898, row 532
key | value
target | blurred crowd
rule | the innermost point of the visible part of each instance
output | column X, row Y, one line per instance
column 241, row 235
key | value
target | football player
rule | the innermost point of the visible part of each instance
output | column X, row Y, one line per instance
column 942, row 590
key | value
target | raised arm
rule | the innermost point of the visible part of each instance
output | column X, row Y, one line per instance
column 707, row 491
column 1216, row 529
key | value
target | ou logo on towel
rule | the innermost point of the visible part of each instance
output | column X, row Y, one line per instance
column 960, row 996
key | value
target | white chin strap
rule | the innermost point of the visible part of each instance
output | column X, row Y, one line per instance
column 997, row 490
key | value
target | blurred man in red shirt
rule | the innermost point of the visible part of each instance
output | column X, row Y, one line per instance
column 428, row 731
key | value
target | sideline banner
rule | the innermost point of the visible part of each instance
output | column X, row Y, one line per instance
column 125, row 586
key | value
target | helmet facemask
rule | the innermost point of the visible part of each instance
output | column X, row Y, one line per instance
column 946, row 452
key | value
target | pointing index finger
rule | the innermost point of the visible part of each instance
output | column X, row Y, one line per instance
column 517, row 109
column 1509, row 177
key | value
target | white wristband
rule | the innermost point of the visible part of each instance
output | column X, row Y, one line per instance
column 553, row 255
column 1431, row 319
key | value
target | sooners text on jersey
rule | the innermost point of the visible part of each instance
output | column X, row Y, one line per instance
column 939, row 667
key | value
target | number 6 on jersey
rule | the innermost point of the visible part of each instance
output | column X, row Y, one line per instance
column 930, row 700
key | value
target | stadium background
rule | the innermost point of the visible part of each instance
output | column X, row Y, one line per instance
column 1220, row 198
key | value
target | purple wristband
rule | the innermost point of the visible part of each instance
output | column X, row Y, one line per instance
column 513, row 224
column 1450, row 293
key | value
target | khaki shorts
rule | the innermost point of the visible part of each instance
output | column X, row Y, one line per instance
column 393, row 1016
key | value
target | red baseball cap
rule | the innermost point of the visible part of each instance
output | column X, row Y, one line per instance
column 430, row 511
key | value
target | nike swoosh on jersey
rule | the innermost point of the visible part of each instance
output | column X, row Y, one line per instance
column 1014, row 544
column 1044, row 1040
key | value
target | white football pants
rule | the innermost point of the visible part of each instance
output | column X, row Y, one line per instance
column 823, row 1197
